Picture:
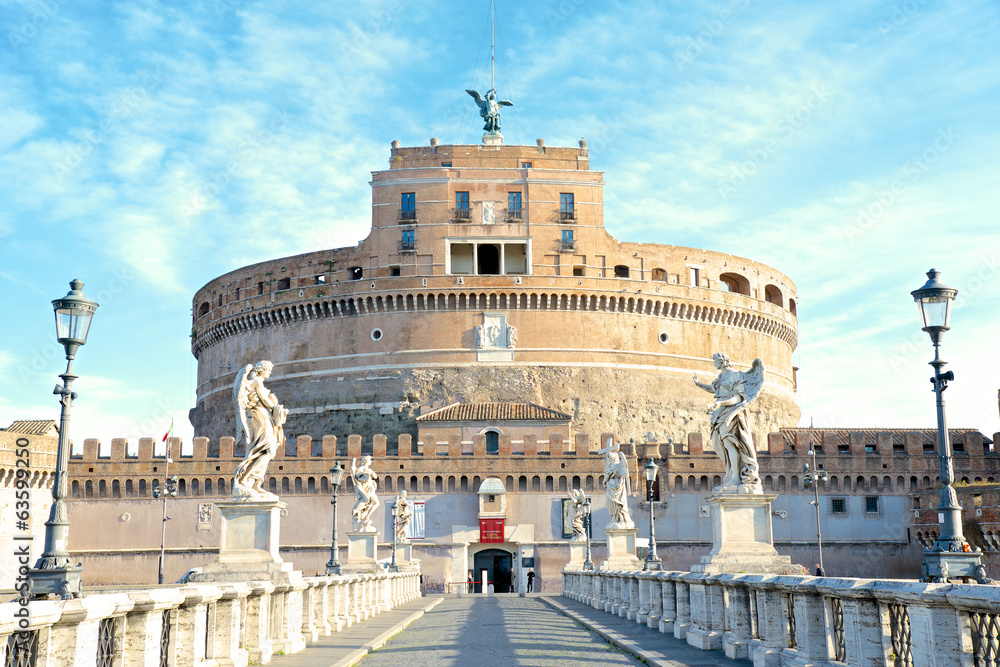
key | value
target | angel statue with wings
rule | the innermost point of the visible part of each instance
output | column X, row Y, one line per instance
column 262, row 419
column 578, row 513
column 735, row 392
column 617, row 487
column 365, row 500
column 489, row 109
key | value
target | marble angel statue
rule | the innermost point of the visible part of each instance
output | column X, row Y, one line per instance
column 365, row 498
column 735, row 391
column 579, row 510
column 403, row 515
column 617, row 488
column 261, row 418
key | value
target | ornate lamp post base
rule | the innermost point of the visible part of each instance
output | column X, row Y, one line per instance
column 64, row 582
column 940, row 566
column 651, row 564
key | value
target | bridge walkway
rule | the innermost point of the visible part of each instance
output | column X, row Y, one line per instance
column 500, row 631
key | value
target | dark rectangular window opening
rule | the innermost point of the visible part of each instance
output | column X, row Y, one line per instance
column 514, row 205
column 446, row 164
column 284, row 283
column 394, row 271
column 462, row 205
column 567, row 206
column 567, row 240
column 356, row 273
column 871, row 504
column 320, row 280
column 578, row 270
column 260, row 288
column 408, row 206
column 838, row 505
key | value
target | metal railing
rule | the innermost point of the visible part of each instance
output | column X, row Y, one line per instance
column 567, row 246
column 461, row 214
column 407, row 246
column 567, row 215
column 407, row 214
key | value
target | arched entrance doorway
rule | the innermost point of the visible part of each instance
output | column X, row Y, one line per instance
column 499, row 568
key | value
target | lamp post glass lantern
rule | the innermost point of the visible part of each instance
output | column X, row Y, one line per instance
column 336, row 477
column 53, row 574
column 951, row 556
column 652, row 562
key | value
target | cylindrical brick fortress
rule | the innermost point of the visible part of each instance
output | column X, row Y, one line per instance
column 489, row 276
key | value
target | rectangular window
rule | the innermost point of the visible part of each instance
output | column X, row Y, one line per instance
column 320, row 280
column 394, row 271
column 446, row 164
column 566, row 206
column 695, row 277
column 237, row 293
column 567, row 239
column 871, row 504
column 260, row 288
column 407, row 241
column 462, row 205
column 408, row 206
column 838, row 505
column 525, row 165
column 514, row 205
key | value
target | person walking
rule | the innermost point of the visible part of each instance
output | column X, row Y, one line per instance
column 472, row 584
column 531, row 579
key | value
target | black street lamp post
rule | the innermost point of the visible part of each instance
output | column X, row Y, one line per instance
column 588, row 564
column 336, row 477
column 53, row 574
column 812, row 477
column 168, row 490
column 652, row 562
column 950, row 556
column 395, row 517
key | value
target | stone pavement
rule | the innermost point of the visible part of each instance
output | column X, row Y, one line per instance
column 535, row 631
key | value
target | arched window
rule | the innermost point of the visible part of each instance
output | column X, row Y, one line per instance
column 734, row 282
column 203, row 309
column 76, row 489
column 659, row 275
column 621, row 271
column 142, row 488
column 492, row 441
column 791, row 307
column 773, row 295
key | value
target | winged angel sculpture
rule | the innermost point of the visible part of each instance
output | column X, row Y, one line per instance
column 262, row 419
column 617, row 487
column 735, row 392
column 489, row 109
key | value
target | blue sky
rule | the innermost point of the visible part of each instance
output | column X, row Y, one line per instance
column 146, row 148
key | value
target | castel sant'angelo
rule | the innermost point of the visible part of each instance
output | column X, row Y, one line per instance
column 488, row 276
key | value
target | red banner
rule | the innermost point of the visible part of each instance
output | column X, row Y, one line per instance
column 491, row 530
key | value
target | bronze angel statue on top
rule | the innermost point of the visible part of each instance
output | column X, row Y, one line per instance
column 735, row 392
column 489, row 109
column 262, row 419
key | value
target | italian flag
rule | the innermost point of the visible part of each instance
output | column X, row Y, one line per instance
column 170, row 432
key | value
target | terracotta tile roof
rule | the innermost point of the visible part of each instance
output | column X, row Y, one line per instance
column 34, row 427
column 839, row 436
column 478, row 412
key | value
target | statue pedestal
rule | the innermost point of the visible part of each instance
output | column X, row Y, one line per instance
column 362, row 552
column 577, row 555
column 492, row 139
column 621, row 550
column 248, row 548
column 404, row 557
column 741, row 537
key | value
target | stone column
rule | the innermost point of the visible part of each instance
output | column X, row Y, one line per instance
column 707, row 620
column 258, row 623
column 632, row 610
column 321, row 606
column 736, row 639
column 939, row 619
column 771, row 625
column 812, row 629
column 655, row 600
column 194, row 622
column 141, row 642
column 226, row 645
column 644, row 597
column 683, row 620
column 310, row 602
column 668, row 602
column 862, row 621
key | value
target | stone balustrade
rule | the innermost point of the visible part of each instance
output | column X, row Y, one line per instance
column 801, row 621
column 197, row 624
